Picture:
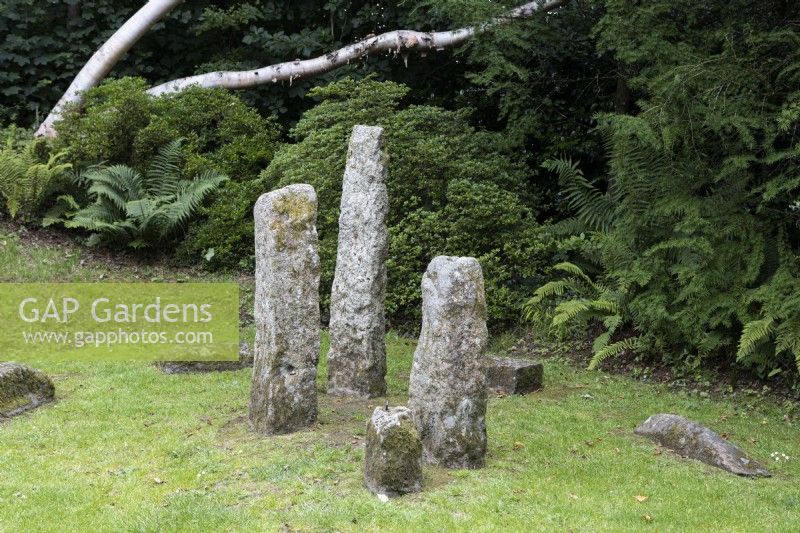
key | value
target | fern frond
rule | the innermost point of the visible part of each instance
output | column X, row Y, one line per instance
column 64, row 208
column 754, row 333
column 163, row 173
column 612, row 350
column 189, row 197
column 569, row 310
column 592, row 207
column 575, row 270
column 550, row 289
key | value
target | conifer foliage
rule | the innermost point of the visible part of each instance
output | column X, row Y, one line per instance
column 697, row 220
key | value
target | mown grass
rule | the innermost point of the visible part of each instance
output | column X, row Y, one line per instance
column 127, row 448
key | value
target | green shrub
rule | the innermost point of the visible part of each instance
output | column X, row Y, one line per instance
column 140, row 211
column 29, row 174
column 452, row 190
column 119, row 123
column 225, row 238
column 103, row 129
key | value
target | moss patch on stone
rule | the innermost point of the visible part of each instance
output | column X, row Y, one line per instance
column 393, row 455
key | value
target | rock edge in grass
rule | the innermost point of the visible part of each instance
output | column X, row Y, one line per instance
column 198, row 367
column 507, row 375
column 23, row 388
column 693, row 440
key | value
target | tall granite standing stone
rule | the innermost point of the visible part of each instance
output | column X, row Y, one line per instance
column 447, row 390
column 284, row 396
column 357, row 357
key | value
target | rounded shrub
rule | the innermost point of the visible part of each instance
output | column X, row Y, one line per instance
column 452, row 190
column 119, row 123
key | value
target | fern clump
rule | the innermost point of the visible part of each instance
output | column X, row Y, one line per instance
column 29, row 174
column 696, row 224
column 576, row 299
column 138, row 210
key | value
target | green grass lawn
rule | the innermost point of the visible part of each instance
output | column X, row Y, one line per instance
column 127, row 448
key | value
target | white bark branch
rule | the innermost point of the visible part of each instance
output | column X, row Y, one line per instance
column 399, row 41
column 104, row 59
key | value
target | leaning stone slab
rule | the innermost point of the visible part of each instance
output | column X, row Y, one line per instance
column 283, row 394
column 505, row 375
column 22, row 388
column 447, row 388
column 695, row 441
column 393, row 456
column 357, row 356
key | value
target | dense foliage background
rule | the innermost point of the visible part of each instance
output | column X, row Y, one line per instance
column 637, row 162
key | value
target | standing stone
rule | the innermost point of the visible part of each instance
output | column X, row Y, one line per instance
column 447, row 390
column 284, row 395
column 393, row 456
column 22, row 388
column 357, row 357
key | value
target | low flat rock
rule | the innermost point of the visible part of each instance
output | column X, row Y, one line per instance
column 393, row 455
column 506, row 375
column 199, row 367
column 695, row 441
column 22, row 388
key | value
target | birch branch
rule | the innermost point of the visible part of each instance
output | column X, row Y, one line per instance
column 104, row 59
column 398, row 41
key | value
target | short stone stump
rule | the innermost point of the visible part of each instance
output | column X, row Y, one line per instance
column 393, row 456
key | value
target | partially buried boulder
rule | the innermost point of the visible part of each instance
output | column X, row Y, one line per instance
column 505, row 375
column 22, row 388
column 695, row 441
column 393, row 456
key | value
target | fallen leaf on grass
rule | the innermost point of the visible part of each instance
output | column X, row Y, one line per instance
column 574, row 496
column 647, row 518
column 518, row 445
column 158, row 481
column 641, row 499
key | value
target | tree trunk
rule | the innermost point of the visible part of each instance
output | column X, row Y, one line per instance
column 107, row 56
